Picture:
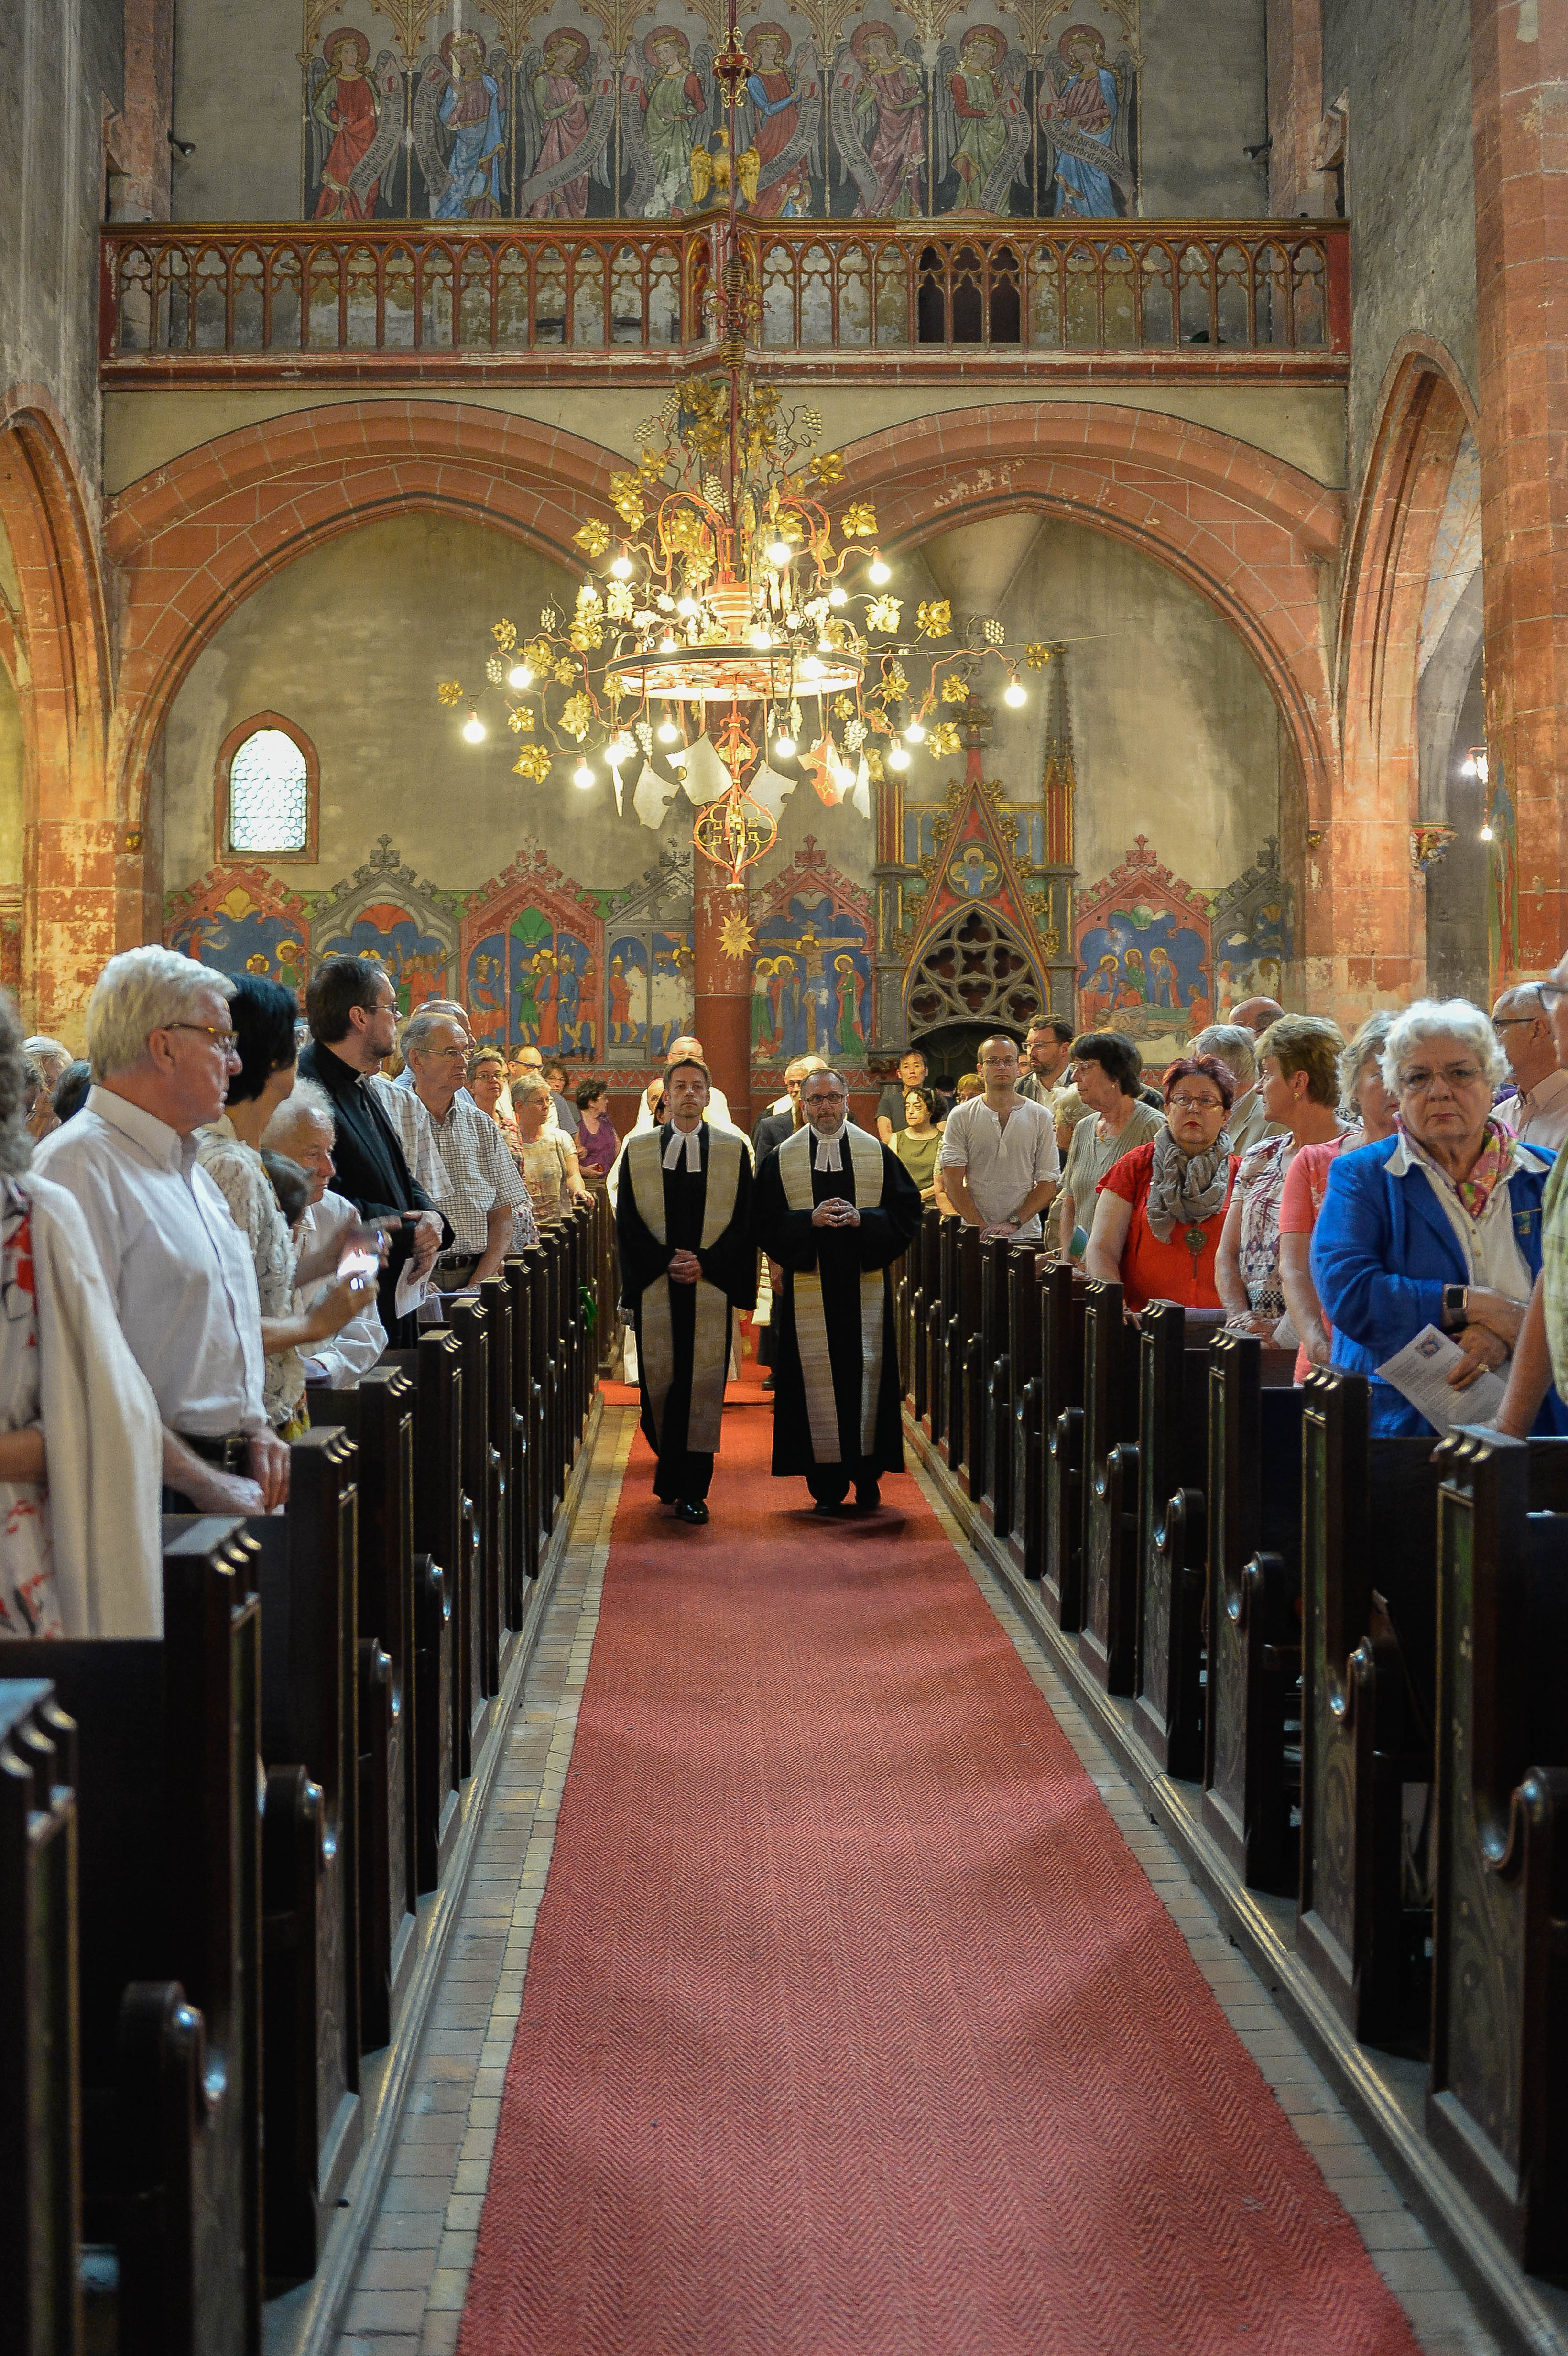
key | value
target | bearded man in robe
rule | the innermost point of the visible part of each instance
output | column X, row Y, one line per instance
column 688, row 1264
column 834, row 1211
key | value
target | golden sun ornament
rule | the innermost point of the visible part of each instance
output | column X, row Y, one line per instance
column 736, row 938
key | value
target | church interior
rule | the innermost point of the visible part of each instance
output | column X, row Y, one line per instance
column 659, row 533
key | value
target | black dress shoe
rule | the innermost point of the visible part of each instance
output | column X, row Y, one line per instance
column 691, row 1509
column 869, row 1494
column 830, row 1507
column 767, row 1382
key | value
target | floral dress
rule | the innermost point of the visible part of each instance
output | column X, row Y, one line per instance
column 239, row 1173
column 29, row 1601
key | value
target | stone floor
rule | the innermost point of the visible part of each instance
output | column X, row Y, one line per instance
column 408, row 2297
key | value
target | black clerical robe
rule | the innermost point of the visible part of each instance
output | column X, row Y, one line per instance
column 835, row 1371
column 373, row 1175
column 684, row 1329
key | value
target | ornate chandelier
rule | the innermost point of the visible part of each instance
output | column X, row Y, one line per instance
column 733, row 606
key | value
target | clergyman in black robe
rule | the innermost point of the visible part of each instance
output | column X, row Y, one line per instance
column 834, row 1211
column 683, row 1222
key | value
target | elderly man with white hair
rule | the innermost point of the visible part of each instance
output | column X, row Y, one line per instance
column 161, row 1044
column 1439, row 1225
column 303, row 1128
column 1236, row 1046
column 482, row 1190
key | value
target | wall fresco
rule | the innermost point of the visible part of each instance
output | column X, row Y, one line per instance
column 241, row 921
column 1144, row 945
column 548, row 110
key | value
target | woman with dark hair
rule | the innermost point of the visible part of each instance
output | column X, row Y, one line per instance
column 918, row 1143
column 1105, row 1069
column 597, row 1142
column 80, row 1439
column 1161, row 1208
column 264, row 1016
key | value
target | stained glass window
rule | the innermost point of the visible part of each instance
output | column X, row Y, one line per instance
column 269, row 794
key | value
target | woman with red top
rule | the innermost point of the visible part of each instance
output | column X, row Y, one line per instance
column 1160, row 1208
column 1365, row 1099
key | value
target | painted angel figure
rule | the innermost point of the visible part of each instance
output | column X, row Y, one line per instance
column 355, row 123
column 565, row 108
column 668, row 115
column 982, row 124
column 781, row 108
column 879, row 123
column 1085, row 112
column 470, row 112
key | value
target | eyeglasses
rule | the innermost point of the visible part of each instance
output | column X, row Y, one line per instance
column 1504, row 1021
column 1196, row 1103
column 1550, row 993
column 1457, row 1075
column 227, row 1040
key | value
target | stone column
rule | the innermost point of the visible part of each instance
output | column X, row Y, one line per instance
column 721, row 985
column 1519, row 95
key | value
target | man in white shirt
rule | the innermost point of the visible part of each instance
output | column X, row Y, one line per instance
column 1539, row 1114
column 483, row 1188
column 161, row 1044
column 998, row 1161
column 303, row 1127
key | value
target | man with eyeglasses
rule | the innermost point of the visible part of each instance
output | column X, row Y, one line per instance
column 1540, row 1354
column 161, row 1044
column 482, row 1188
column 1538, row 1113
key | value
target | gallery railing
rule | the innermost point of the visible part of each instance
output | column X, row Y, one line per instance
column 335, row 297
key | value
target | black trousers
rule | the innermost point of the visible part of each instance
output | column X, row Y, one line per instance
column 683, row 1473
column 830, row 1483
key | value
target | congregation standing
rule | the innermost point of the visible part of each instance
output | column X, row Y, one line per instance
column 202, row 1218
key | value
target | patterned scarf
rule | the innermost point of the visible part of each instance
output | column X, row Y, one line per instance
column 1186, row 1188
column 1490, row 1166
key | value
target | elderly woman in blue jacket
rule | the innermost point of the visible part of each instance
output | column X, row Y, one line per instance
column 1439, row 1225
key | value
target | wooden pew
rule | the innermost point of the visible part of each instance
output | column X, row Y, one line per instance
column 1496, row 2105
column 1369, row 1522
column 941, row 1295
column 1173, row 1466
column 40, row 2139
column 1027, row 1452
column 991, row 1480
column 1254, row 1591
column 398, row 1714
column 168, row 1736
column 961, row 1370
column 1062, row 1375
column 502, row 1299
column 306, row 1567
column 1110, row 1490
column 925, row 1277
column 479, row 1631
column 521, row 1275
column 444, row 1518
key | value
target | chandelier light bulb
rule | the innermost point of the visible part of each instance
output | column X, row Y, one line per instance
column 837, row 595
column 778, row 551
column 898, row 758
column 915, row 734
column 783, row 745
column 880, row 573
column 666, row 644
column 811, row 667
column 1013, row 693
column 519, row 677
column 621, row 568
column 686, row 607
column 1485, row 834
column 474, row 729
column 761, row 639
column 582, row 775
column 668, row 733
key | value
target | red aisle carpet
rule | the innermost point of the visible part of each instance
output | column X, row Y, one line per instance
column 851, row 2025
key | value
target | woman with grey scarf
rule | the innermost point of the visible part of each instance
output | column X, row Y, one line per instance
column 1161, row 1209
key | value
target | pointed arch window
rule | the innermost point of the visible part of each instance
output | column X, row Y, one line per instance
column 267, row 798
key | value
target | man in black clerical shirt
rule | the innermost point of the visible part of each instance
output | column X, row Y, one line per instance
column 352, row 1009
column 687, row 1263
column 834, row 1210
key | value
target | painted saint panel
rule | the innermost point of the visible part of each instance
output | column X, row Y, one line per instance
column 511, row 112
column 416, row 961
column 241, row 926
column 1142, row 939
column 812, row 981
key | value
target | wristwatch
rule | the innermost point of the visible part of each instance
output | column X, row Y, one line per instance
column 1454, row 1310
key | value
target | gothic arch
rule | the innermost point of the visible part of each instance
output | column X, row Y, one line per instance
column 194, row 540
column 1365, row 925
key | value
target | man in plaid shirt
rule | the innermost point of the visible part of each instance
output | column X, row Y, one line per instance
column 483, row 1189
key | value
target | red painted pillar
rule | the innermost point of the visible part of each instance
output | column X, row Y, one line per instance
column 722, row 986
column 1520, row 70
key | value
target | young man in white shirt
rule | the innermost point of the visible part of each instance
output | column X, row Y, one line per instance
column 998, row 1161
